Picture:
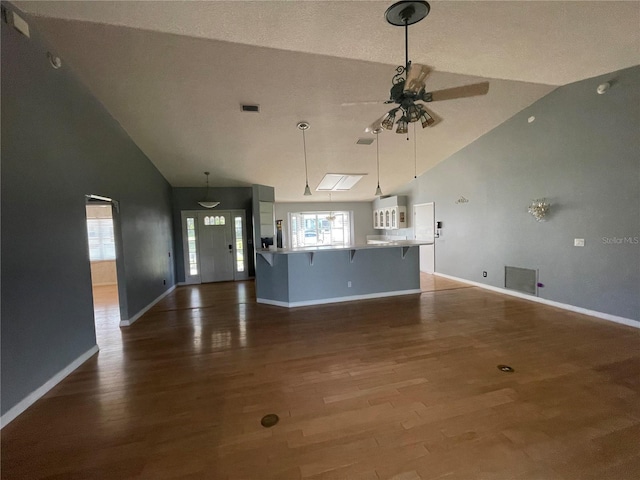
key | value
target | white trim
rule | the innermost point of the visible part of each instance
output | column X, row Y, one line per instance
column 34, row 396
column 128, row 322
column 565, row 306
column 350, row 298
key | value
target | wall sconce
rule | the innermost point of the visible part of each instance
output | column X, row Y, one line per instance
column 539, row 209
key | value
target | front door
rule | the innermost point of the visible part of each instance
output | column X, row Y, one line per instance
column 215, row 241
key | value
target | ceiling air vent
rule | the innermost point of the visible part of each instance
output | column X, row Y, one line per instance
column 364, row 141
column 250, row 108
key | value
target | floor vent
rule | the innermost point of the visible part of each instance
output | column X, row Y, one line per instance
column 269, row 420
column 364, row 141
column 521, row 279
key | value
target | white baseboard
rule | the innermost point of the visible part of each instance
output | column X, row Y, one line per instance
column 322, row 301
column 129, row 321
column 34, row 396
column 565, row 306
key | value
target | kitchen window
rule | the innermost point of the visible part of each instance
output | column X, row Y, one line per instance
column 311, row 229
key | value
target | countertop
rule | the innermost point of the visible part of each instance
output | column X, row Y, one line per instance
column 329, row 248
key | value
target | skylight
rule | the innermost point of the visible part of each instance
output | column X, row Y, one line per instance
column 339, row 182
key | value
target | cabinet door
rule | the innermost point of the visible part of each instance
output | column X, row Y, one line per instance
column 387, row 219
column 394, row 216
column 375, row 219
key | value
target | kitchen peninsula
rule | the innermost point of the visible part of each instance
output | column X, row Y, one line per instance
column 329, row 274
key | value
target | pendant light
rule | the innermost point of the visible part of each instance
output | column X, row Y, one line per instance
column 377, row 131
column 207, row 203
column 305, row 126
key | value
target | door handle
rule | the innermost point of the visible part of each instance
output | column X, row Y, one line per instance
column 230, row 247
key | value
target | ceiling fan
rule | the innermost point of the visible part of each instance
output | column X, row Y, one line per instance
column 409, row 81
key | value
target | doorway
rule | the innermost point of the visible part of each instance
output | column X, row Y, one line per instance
column 424, row 230
column 102, row 235
column 214, row 245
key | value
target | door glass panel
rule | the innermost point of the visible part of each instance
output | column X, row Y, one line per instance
column 239, row 244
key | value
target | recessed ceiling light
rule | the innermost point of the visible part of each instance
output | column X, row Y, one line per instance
column 531, row 119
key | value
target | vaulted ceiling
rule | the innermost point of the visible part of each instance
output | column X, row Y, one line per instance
column 174, row 74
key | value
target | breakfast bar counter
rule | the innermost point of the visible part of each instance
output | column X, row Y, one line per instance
column 316, row 275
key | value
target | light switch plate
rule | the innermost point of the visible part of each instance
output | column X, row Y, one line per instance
column 578, row 242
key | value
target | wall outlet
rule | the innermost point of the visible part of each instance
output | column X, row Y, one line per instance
column 349, row 284
column 164, row 282
column 484, row 274
column 578, row 242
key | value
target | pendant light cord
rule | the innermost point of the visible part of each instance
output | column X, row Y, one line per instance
column 378, row 157
column 304, row 146
column 415, row 153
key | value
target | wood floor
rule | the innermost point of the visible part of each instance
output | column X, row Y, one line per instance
column 404, row 388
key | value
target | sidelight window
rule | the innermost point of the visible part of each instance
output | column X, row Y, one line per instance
column 191, row 242
column 237, row 222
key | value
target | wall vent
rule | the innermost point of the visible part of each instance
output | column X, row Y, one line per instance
column 250, row 108
column 522, row 280
column 365, row 141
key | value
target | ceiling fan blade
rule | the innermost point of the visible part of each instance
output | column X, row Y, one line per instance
column 416, row 77
column 353, row 104
column 472, row 90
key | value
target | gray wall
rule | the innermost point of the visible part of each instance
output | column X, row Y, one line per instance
column 583, row 154
column 231, row 198
column 362, row 214
column 58, row 144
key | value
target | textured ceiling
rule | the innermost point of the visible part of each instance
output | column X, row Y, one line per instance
column 175, row 80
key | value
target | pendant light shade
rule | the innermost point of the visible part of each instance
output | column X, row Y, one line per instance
column 206, row 203
column 305, row 126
